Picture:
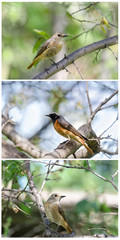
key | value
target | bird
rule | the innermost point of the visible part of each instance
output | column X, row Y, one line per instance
column 65, row 129
column 50, row 48
column 54, row 211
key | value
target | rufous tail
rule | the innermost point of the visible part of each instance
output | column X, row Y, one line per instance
column 85, row 145
column 31, row 64
column 66, row 226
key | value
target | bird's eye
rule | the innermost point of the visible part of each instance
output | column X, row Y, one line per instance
column 55, row 195
column 59, row 35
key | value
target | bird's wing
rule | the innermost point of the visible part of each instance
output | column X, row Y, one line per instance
column 61, row 212
column 43, row 48
column 70, row 128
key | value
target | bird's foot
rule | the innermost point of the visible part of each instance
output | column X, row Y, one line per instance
column 47, row 70
column 54, row 63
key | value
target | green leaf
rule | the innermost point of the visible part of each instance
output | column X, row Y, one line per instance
column 69, row 15
column 38, row 43
column 41, row 32
column 104, row 208
column 86, row 206
column 103, row 28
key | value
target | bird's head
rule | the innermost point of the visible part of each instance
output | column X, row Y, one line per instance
column 53, row 116
column 59, row 36
column 55, row 197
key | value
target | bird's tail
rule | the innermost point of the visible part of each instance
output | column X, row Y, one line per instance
column 85, row 145
column 68, row 228
column 31, row 64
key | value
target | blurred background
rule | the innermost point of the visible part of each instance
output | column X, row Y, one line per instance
column 90, row 205
column 27, row 103
column 26, row 25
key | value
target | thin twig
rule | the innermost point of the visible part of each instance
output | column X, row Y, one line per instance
column 15, row 190
column 89, row 102
column 113, row 53
column 85, row 168
column 101, row 104
column 47, row 174
column 82, row 9
column 114, row 175
column 78, row 70
column 109, row 127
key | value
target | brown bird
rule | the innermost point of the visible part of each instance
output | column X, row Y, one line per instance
column 65, row 129
column 50, row 48
column 54, row 211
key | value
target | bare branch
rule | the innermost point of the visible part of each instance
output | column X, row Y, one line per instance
column 67, row 148
column 114, row 175
column 85, row 168
column 89, row 102
column 8, row 121
column 113, row 53
column 86, row 32
column 10, row 151
column 37, row 198
column 47, row 174
column 100, row 105
column 64, row 150
column 21, row 142
column 109, row 127
column 82, row 9
column 67, row 60
column 77, row 70
column 15, row 190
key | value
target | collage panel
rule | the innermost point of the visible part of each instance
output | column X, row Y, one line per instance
column 59, row 40
column 60, row 119
column 80, row 197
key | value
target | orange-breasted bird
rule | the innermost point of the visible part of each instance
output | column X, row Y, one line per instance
column 50, row 48
column 65, row 129
column 54, row 211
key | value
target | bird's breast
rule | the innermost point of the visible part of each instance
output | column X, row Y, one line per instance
column 52, row 213
column 65, row 133
column 60, row 129
column 53, row 50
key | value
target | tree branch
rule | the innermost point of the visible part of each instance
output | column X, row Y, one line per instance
column 19, row 141
column 67, row 60
column 100, row 105
column 47, row 174
column 89, row 102
column 88, row 169
column 64, row 150
column 83, row 9
column 38, row 199
column 67, row 148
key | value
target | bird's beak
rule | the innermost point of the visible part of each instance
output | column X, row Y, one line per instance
column 65, row 35
column 62, row 197
column 47, row 115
